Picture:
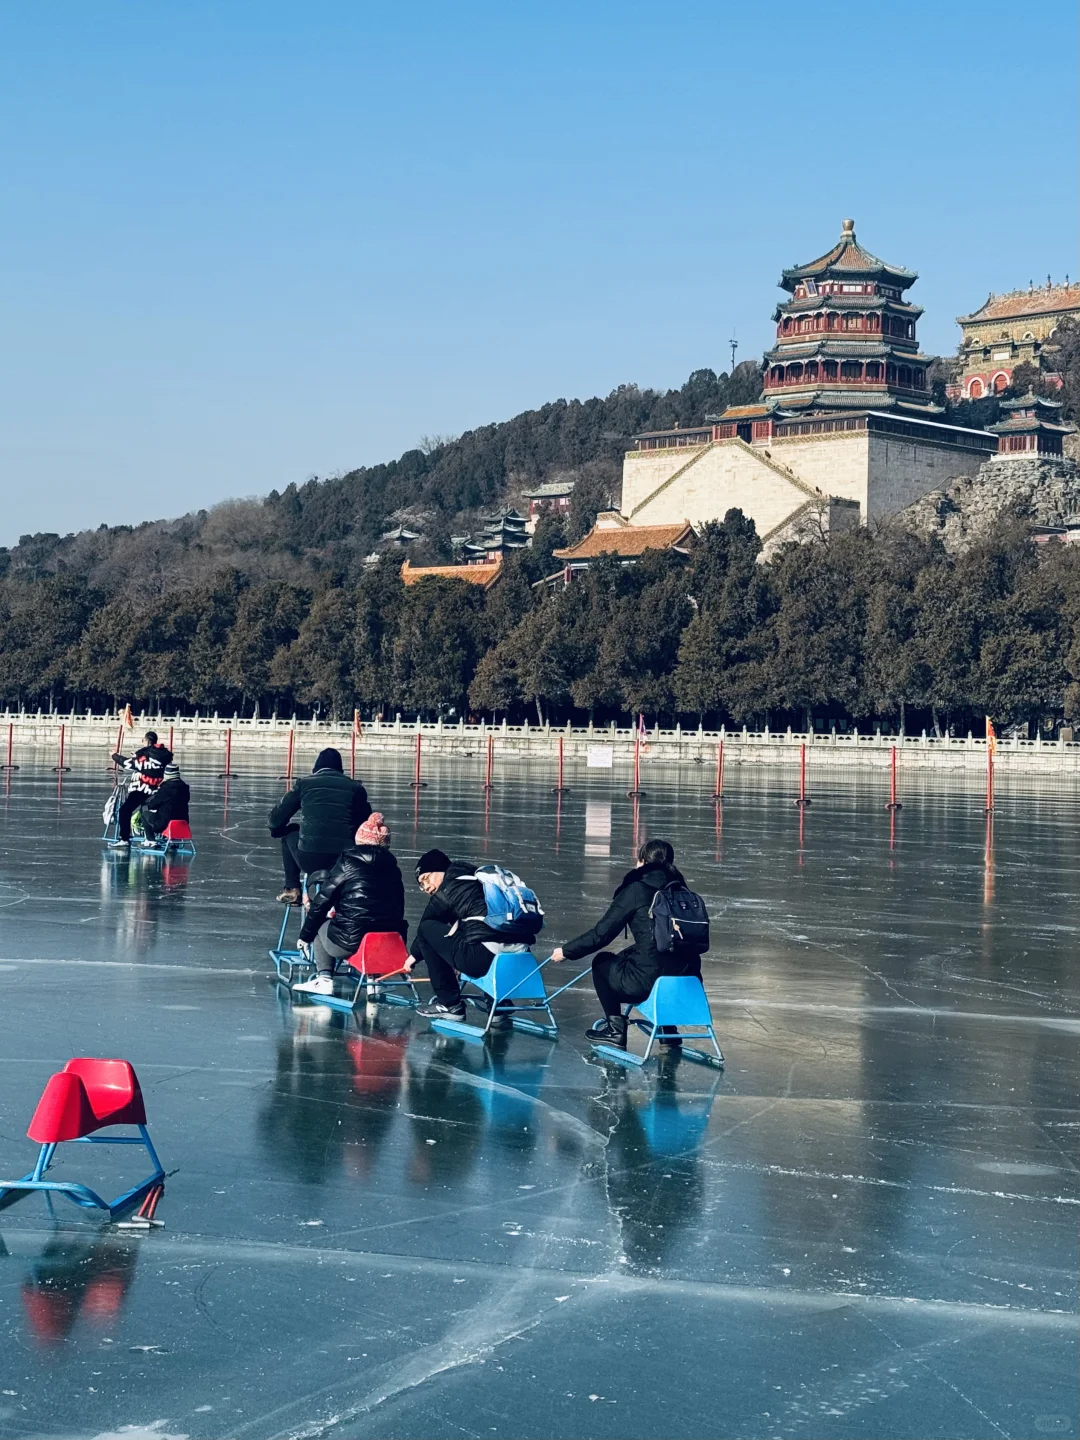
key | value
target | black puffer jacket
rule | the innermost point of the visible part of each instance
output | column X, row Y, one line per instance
column 460, row 897
column 366, row 893
column 629, row 908
column 331, row 806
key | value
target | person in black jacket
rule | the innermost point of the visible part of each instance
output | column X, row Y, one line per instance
column 148, row 765
column 366, row 893
column 169, row 801
column 629, row 975
column 331, row 806
column 453, row 937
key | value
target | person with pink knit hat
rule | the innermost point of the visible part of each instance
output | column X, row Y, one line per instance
column 366, row 893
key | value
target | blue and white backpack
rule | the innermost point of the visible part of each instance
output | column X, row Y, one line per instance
column 512, row 908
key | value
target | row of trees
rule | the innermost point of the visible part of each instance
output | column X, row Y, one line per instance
column 855, row 627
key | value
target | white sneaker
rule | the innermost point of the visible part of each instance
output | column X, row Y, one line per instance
column 321, row 985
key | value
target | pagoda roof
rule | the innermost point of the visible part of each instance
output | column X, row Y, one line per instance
column 861, row 303
column 747, row 412
column 553, row 490
column 847, row 257
column 868, row 398
column 1016, row 304
column 484, row 575
column 628, row 541
column 1031, row 401
column 845, row 348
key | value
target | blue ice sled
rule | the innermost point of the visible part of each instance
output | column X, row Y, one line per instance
column 675, row 1001
column 514, row 972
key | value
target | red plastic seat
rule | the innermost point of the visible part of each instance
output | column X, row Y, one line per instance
column 86, row 1095
column 382, row 952
column 177, row 830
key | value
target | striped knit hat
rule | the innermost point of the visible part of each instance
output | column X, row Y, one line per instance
column 374, row 831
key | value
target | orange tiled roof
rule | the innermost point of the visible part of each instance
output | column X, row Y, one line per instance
column 629, row 540
column 1018, row 303
column 744, row 412
column 484, row 575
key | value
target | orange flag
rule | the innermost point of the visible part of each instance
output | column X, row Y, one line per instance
column 358, row 729
column 991, row 735
column 129, row 719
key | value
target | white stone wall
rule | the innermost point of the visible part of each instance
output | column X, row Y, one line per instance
column 644, row 470
column 724, row 477
column 836, row 464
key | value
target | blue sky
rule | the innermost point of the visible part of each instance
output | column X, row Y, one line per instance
column 252, row 242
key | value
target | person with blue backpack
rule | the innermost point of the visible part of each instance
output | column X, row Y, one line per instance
column 473, row 914
column 670, row 929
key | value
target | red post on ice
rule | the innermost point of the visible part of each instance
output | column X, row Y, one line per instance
column 10, row 745
column 718, row 793
column 560, row 788
column 119, row 745
column 803, row 799
column 227, row 773
column 170, row 737
column 989, row 780
column 289, row 756
column 490, row 767
column 417, row 783
column 893, row 804
column 60, row 767
column 352, row 755
column 636, row 793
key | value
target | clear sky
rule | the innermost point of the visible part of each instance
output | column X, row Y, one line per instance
column 250, row 242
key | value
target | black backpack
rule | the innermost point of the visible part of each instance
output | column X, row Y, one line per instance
column 679, row 918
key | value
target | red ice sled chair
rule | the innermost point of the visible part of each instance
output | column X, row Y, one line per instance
column 380, row 958
column 176, row 836
column 87, row 1096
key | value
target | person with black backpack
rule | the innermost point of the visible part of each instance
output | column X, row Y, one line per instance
column 670, row 929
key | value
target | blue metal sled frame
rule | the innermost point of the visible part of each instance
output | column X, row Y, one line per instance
column 703, row 1031
column 288, row 961
column 162, row 847
column 379, row 988
column 82, row 1194
column 488, row 985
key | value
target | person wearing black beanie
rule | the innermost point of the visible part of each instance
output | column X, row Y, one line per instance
column 330, row 806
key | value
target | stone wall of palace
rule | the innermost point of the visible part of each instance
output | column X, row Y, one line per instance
column 835, row 464
column 901, row 471
column 723, row 476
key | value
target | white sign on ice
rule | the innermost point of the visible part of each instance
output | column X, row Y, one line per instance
column 600, row 757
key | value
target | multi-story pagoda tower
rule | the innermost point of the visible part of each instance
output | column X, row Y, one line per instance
column 846, row 338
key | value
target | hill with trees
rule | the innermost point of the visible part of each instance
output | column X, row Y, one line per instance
column 274, row 604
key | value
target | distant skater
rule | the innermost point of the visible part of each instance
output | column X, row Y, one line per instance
column 628, row 975
column 331, row 807
column 366, row 894
column 148, row 766
column 170, row 801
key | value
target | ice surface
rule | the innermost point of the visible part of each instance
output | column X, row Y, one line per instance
column 866, row 1226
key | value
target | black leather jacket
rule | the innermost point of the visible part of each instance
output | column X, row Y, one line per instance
column 629, row 909
column 365, row 890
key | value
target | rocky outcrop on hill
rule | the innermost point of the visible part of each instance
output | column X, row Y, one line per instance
column 1042, row 491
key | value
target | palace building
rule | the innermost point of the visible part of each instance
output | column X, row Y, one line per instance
column 845, row 427
column 1010, row 330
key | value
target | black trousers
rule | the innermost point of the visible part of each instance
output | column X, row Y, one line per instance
column 297, row 861
column 618, row 981
column 132, row 800
column 445, row 955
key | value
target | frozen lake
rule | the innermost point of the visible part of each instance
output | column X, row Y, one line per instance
column 866, row 1226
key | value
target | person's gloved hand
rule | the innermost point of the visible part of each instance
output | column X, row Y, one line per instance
column 304, row 946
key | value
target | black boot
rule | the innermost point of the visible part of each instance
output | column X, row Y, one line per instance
column 611, row 1029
